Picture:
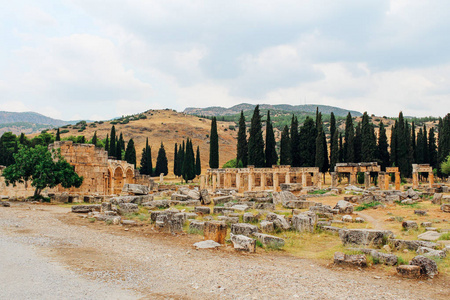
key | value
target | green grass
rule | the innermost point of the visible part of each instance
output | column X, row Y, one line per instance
column 367, row 205
column 445, row 237
column 318, row 192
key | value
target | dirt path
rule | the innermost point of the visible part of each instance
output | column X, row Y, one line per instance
column 376, row 223
column 161, row 266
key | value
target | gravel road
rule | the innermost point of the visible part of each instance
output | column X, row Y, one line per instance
column 48, row 253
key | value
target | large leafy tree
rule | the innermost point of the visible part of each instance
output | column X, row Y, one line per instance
column 214, row 145
column 256, row 141
column 242, row 146
column 270, row 151
column 161, row 162
column 285, row 147
column 43, row 168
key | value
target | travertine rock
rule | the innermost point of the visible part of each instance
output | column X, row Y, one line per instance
column 243, row 243
column 216, row 231
column 364, row 236
column 344, row 207
column 409, row 271
column 355, row 260
column 243, row 229
column 428, row 267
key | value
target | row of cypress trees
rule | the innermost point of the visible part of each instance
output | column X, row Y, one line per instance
column 186, row 164
column 146, row 161
column 306, row 145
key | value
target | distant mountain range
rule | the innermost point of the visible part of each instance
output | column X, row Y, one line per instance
column 309, row 108
column 28, row 122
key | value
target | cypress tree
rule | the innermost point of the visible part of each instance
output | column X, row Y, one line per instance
column 94, row 139
column 341, row 148
column 270, row 151
column 368, row 141
column 118, row 149
column 242, row 146
column 285, row 150
column 349, row 146
column 426, row 158
column 161, row 162
column 413, row 141
column 198, row 164
column 332, row 127
column 180, row 158
column 382, row 148
column 403, row 147
column 107, row 144
column 143, row 168
column 22, row 139
column 130, row 153
column 321, row 157
column 175, row 160
column 357, row 142
column 432, row 149
column 393, row 153
column 58, row 136
column 148, row 153
column 214, row 145
column 295, row 143
column 189, row 163
column 420, row 158
column 443, row 140
column 334, row 150
column 256, row 141
column 307, row 143
column 112, row 142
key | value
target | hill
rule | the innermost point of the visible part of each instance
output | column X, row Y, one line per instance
column 165, row 126
column 308, row 108
column 28, row 122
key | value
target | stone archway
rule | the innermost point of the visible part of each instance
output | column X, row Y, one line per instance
column 118, row 180
column 129, row 176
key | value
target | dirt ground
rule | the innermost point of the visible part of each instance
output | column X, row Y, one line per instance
column 162, row 266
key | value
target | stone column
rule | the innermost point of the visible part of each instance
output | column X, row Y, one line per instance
column 415, row 176
column 275, row 181
column 263, row 181
column 366, row 180
column 214, row 182
column 353, row 179
column 333, row 179
column 250, row 181
column 161, row 178
column 316, row 179
column 381, row 180
column 287, row 178
column 304, row 180
column 202, row 182
column 238, row 182
column 430, row 179
column 227, row 180
column 319, row 182
column 387, row 179
column 397, row 181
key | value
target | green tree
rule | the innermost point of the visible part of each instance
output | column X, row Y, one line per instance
column 58, row 135
column 43, row 168
column 175, row 160
column 94, row 140
column 368, row 140
column 349, row 145
column 161, row 162
column 256, row 141
column 332, row 127
column 334, row 150
column 198, row 164
column 270, row 151
column 107, row 144
column 213, row 145
column 432, row 149
column 321, row 155
column 296, row 157
column 307, row 143
column 382, row 148
column 8, row 146
column 112, row 142
column 445, row 166
column 146, row 160
column 180, row 158
column 341, row 148
column 130, row 153
column 189, row 162
column 242, row 146
column 285, row 150
column 357, row 143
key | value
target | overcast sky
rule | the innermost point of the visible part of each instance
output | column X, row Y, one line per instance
column 92, row 59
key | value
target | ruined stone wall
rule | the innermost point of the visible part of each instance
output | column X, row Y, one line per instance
column 21, row 190
column 90, row 162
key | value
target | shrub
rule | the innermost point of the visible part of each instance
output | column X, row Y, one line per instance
column 367, row 205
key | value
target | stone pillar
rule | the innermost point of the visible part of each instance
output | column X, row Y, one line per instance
column 353, row 179
column 250, row 181
column 238, row 182
column 202, row 182
column 219, row 180
column 397, row 181
column 366, row 180
column 297, row 177
column 387, row 179
column 319, row 182
column 333, row 179
column 263, row 181
column 304, row 180
column 381, row 180
column 316, row 179
column 214, row 182
column 275, row 181
column 227, row 180
column 161, row 178
column 287, row 177
column 430, row 179
column 415, row 176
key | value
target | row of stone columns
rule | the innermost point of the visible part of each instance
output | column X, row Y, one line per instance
column 383, row 179
column 416, row 179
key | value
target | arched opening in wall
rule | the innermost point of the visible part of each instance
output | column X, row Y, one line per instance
column 129, row 177
column 118, row 180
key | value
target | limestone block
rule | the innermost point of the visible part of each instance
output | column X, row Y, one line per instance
column 216, row 231
column 355, row 260
column 243, row 229
column 243, row 243
column 409, row 271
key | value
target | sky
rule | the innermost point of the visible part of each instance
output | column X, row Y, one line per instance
column 93, row 59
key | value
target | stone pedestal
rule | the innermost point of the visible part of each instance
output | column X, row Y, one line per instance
column 216, row 231
column 333, row 179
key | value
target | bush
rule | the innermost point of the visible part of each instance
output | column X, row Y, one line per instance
column 367, row 205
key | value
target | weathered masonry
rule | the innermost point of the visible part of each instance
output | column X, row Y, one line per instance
column 422, row 169
column 260, row 179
